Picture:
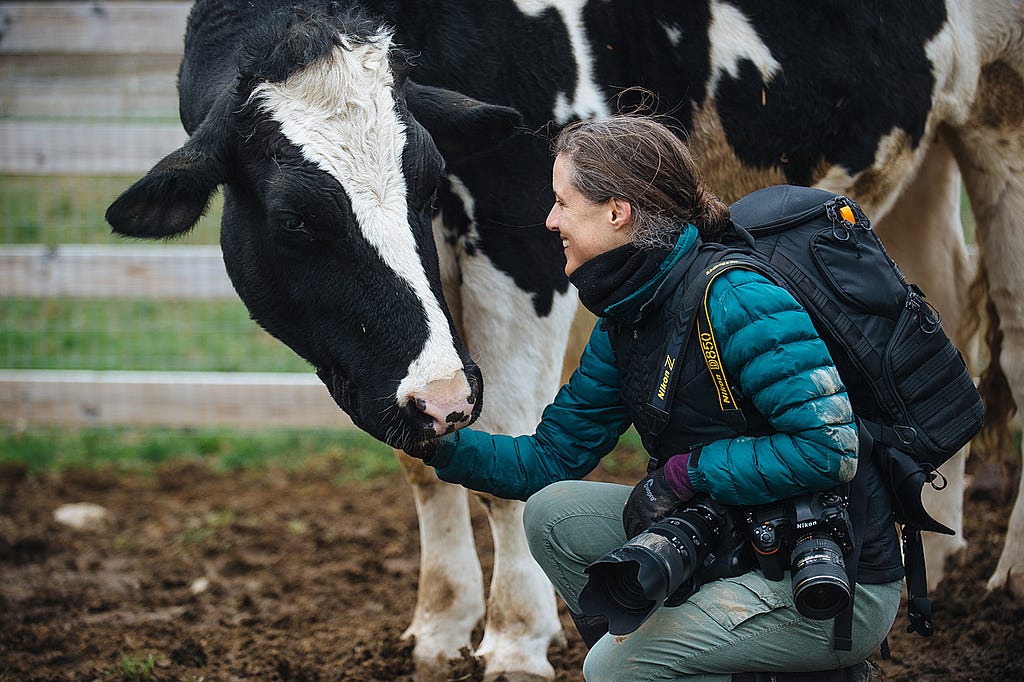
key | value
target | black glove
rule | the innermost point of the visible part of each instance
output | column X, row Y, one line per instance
column 652, row 499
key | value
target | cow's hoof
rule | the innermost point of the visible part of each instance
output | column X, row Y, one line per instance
column 1008, row 581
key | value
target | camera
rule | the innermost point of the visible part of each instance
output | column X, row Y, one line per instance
column 665, row 564
column 808, row 535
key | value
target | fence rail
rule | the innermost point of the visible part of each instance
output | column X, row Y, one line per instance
column 242, row 399
column 130, row 271
column 43, row 148
column 108, row 27
column 89, row 89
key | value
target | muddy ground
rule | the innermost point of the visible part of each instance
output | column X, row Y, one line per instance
column 283, row 575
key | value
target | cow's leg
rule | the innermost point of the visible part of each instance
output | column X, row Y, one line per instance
column 520, row 354
column 990, row 149
column 450, row 596
column 522, row 616
column 924, row 234
column 450, row 599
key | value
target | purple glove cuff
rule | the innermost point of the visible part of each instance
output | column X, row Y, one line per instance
column 677, row 474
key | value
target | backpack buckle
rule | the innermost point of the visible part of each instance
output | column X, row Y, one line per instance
column 906, row 434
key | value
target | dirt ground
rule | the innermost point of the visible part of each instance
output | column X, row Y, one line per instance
column 277, row 575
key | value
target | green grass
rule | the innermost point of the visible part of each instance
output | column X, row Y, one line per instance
column 346, row 455
column 69, row 210
column 343, row 456
column 136, row 669
column 138, row 335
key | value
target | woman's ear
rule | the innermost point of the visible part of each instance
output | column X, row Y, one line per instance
column 621, row 213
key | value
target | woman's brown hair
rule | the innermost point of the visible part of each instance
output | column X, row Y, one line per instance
column 639, row 160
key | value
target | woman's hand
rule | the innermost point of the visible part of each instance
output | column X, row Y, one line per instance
column 657, row 495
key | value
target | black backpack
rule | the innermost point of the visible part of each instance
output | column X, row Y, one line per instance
column 909, row 386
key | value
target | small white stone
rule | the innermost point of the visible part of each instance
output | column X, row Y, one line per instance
column 81, row 515
column 199, row 585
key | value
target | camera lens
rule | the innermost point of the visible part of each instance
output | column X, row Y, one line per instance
column 629, row 583
column 821, row 588
column 626, row 591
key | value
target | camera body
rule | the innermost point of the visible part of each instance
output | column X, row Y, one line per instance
column 665, row 564
column 808, row 535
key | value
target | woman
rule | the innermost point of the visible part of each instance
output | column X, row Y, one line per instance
column 632, row 212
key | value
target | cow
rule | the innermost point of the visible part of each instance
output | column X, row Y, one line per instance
column 386, row 172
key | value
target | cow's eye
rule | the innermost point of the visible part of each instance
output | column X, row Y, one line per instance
column 294, row 225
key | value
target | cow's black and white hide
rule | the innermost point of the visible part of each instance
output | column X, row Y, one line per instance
column 307, row 118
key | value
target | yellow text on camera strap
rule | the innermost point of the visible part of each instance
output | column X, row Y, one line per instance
column 708, row 343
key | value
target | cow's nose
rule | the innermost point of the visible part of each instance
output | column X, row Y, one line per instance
column 448, row 404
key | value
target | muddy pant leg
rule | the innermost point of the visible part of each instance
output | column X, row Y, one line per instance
column 740, row 624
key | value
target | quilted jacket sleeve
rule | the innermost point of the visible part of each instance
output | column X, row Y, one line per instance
column 771, row 350
column 580, row 427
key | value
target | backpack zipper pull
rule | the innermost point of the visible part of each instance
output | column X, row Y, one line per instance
column 846, row 213
column 928, row 317
column 843, row 222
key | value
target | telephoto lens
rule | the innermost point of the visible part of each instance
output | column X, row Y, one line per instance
column 821, row 587
column 629, row 583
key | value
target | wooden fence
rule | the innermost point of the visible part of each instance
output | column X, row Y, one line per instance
column 108, row 62
column 72, row 73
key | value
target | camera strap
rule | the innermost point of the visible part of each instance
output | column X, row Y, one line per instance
column 842, row 634
column 693, row 305
column 919, row 605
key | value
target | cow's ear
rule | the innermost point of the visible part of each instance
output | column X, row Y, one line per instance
column 175, row 193
column 460, row 125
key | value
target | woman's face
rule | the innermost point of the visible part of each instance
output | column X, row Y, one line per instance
column 587, row 229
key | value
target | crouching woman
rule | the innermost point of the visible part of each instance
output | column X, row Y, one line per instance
column 632, row 213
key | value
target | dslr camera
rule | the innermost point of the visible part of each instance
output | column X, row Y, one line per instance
column 808, row 535
column 666, row 564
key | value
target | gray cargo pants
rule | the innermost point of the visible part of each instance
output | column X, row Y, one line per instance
column 740, row 624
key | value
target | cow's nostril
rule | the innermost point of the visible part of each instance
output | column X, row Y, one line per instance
column 456, row 418
column 414, row 409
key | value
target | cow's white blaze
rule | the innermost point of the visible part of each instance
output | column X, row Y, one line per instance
column 340, row 112
column 733, row 39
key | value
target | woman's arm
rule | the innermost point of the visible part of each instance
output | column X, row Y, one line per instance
column 772, row 351
column 580, row 427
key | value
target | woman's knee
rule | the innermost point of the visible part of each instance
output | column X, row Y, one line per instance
column 544, row 505
column 614, row 659
column 541, row 511
column 570, row 524
column 598, row 665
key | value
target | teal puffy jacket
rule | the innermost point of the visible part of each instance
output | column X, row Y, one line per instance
column 770, row 348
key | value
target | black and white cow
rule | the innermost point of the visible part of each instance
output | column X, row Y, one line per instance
column 308, row 118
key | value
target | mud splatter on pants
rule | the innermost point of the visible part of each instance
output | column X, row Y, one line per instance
column 738, row 624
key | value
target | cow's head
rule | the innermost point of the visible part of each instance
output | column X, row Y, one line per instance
column 328, row 168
